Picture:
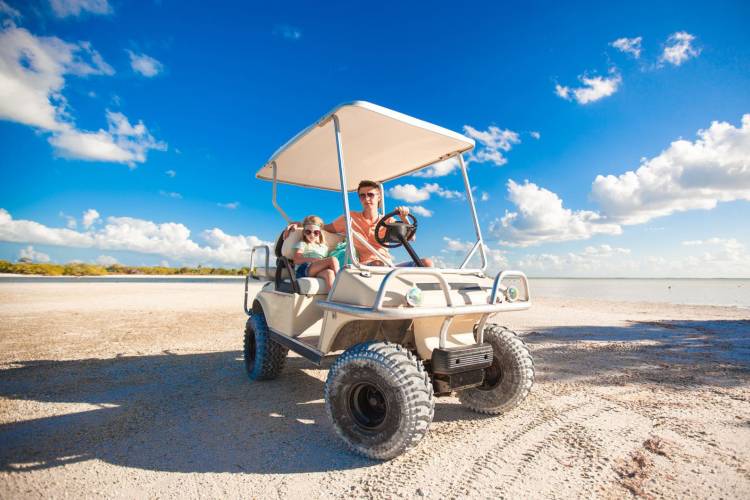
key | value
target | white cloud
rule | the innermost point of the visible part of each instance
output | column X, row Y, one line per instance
column 33, row 255
column 457, row 250
column 630, row 46
column 170, row 173
column 120, row 143
column 171, row 240
column 420, row 210
column 485, row 196
column 65, row 8
column 491, row 143
column 89, row 218
column 9, row 11
column 536, row 135
column 602, row 260
column 231, row 205
column 439, row 169
column 412, row 194
column 106, row 260
column 32, row 77
column 540, row 217
column 70, row 221
column 594, row 88
column 687, row 175
column 679, row 48
column 604, row 251
column 287, row 31
column 170, row 194
column 145, row 65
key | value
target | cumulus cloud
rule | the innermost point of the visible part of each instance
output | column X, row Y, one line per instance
column 9, row 11
column 33, row 255
column 630, row 46
column 65, row 8
column 599, row 260
column 687, row 175
column 420, row 210
column 540, row 217
column 170, row 239
column 439, row 169
column 171, row 194
column 170, row 173
column 287, row 31
column 106, row 260
column 455, row 251
column 484, row 196
column 145, row 65
column 90, row 217
column 231, row 205
column 491, row 144
column 679, row 48
column 412, row 194
column 32, row 77
column 70, row 221
column 120, row 143
column 594, row 88
column 536, row 135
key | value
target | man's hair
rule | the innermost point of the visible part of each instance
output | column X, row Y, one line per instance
column 368, row 184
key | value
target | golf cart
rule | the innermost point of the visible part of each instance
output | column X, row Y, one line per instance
column 399, row 336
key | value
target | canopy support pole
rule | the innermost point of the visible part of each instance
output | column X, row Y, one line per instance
column 478, row 231
column 273, row 196
column 350, row 255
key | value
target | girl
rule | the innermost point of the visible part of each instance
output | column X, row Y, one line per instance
column 311, row 256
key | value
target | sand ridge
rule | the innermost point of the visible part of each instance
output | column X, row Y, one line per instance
column 137, row 389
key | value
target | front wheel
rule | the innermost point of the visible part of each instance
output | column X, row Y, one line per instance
column 508, row 380
column 264, row 358
column 379, row 399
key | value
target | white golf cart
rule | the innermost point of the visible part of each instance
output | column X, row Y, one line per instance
column 407, row 333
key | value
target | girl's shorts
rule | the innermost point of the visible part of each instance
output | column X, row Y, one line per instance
column 301, row 271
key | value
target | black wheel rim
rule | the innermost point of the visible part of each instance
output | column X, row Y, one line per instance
column 493, row 375
column 367, row 406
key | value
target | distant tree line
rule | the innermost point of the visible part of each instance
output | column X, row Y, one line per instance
column 82, row 269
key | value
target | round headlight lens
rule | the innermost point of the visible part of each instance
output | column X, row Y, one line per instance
column 511, row 293
column 414, row 297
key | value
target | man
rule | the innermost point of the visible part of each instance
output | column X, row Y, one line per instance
column 364, row 223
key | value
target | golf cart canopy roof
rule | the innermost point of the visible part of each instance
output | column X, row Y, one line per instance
column 378, row 144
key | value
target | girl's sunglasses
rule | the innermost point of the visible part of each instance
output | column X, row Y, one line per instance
column 315, row 232
column 370, row 195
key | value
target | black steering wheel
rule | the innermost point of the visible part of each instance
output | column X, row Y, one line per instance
column 395, row 233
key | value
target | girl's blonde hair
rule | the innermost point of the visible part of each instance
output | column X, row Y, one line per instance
column 316, row 221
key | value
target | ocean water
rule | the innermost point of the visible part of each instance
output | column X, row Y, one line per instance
column 715, row 292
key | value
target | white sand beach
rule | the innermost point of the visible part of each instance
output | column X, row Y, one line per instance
column 138, row 389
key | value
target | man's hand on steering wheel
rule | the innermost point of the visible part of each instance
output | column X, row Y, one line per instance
column 403, row 213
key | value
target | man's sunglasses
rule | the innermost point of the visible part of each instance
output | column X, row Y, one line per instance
column 370, row 195
column 315, row 232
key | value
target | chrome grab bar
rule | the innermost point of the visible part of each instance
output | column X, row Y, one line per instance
column 493, row 297
column 252, row 272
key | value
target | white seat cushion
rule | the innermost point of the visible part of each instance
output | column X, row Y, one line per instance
column 312, row 286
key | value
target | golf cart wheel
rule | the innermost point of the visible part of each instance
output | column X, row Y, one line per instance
column 264, row 358
column 379, row 399
column 508, row 381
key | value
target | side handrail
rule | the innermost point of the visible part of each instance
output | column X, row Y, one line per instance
column 267, row 248
column 252, row 272
column 493, row 297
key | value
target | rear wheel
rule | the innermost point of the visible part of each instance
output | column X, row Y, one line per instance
column 264, row 358
column 508, row 380
column 379, row 399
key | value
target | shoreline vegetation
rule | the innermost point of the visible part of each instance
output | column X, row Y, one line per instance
column 83, row 269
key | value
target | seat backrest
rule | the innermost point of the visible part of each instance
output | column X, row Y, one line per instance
column 287, row 249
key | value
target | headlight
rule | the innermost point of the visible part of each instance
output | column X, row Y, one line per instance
column 511, row 293
column 414, row 297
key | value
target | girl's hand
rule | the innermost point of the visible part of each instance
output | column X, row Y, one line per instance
column 291, row 227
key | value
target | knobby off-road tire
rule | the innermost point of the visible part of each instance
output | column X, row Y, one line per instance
column 379, row 399
column 264, row 358
column 509, row 379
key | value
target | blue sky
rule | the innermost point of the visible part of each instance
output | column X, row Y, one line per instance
column 131, row 131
